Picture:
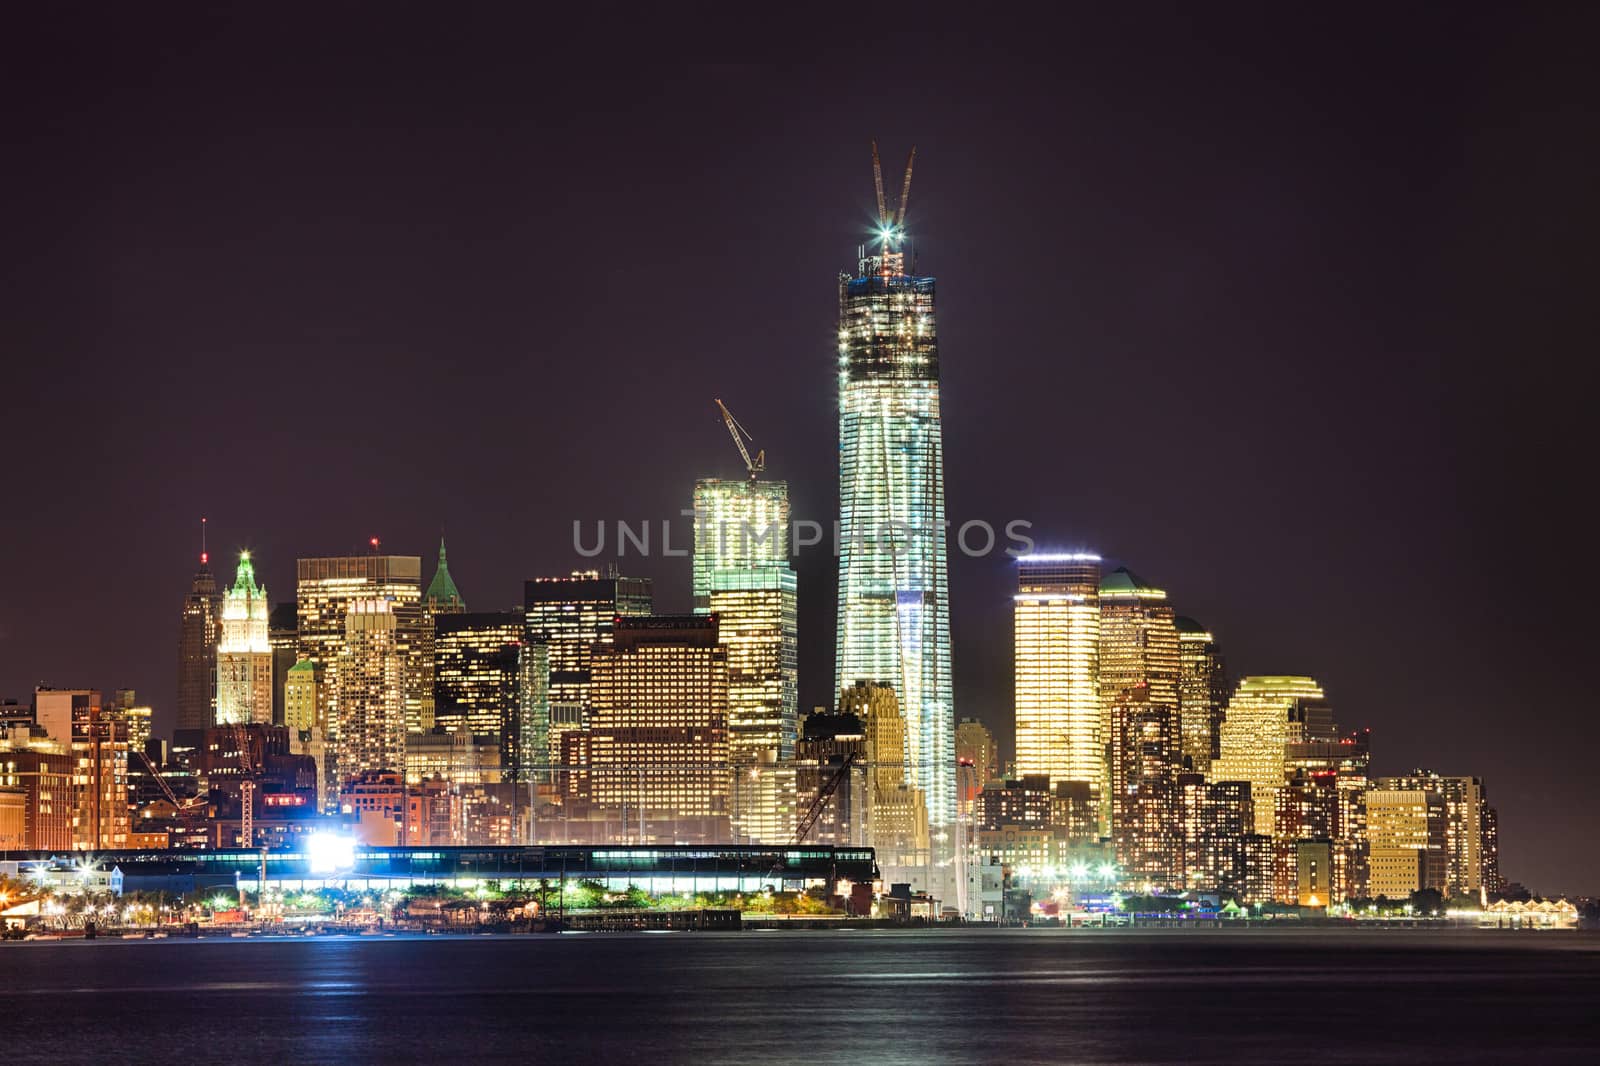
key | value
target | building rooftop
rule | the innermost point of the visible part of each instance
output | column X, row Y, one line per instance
column 442, row 590
column 1124, row 583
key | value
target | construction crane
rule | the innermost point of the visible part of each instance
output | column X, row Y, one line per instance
column 824, row 794
column 740, row 435
column 890, row 225
column 818, row 805
column 247, row 787
column 877, row 181
column 905, row 190
column 184, row 810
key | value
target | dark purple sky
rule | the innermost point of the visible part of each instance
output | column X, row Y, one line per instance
column 1292, row 317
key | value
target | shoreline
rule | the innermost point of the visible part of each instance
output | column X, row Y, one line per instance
column 1332, row 931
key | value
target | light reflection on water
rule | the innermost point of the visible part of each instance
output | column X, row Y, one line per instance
column 965, row 996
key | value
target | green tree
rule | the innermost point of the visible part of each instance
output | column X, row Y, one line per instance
column 1427, row 901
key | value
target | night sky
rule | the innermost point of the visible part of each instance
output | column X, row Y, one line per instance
column 1292, row 317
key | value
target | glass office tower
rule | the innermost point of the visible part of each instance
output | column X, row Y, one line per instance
column 1056, row 647
column 742, row 575
column 893, row 610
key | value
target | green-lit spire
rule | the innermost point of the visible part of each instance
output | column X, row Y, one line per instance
column 244, row 580
column 442, row 594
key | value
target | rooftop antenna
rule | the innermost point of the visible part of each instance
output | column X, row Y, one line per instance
column 205, row 556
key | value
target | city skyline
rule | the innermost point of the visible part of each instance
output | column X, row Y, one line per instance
column 1264, row 316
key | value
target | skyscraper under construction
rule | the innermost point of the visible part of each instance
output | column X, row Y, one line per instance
column 893, row 610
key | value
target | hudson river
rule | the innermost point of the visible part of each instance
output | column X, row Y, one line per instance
column 1257, row 995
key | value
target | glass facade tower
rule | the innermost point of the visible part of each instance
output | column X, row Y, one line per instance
column 742, row 575
column 569, row 616
column 893, row 609
column 1264, row 717
column 1056, row 616
column 1202, row 693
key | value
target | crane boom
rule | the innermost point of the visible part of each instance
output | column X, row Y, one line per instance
column 877, row 180
column 739, row 434
column 814, row 812
column 181, row 808
column 818, row 805
column 905, row 189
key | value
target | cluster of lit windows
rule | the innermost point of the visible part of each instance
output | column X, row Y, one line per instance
column 368, row 692
column 758, row 628
column 328, row 586
column 1056, row 649
column 569, row 615
column 658, row 734
column 893, row 620
column 477, row 673
column 1265, row 715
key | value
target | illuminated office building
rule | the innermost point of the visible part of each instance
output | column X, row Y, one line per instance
column 766, row 800
column 477, row 680
column 441, row 598
column 283, row 636
column 739, row 525
column 1406, row 833
column 305, row 717
column 139, row 718
column 1139, row 696
column 569, row 616
column 893, row 605
column 1202, row 693
column 1056, row 624
column 1345, row 762
column 658, row 729
column 459, row 758
column 757, row 617
column 532, row 750
column 325, row 590
column 40, row 773
column 1015, row 801
column 1216, row 819
column 302, row 706
column 742, row 575
column 896, row 811
column 1463, row 800
column 1306, row 809
column 97, row 739
column 200, row 628
column 1264, row 716
column 244, row 655
column 977, row 762
column 368, row 691
column 1490, row 849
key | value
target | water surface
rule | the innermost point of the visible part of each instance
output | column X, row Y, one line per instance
column 1257, row 995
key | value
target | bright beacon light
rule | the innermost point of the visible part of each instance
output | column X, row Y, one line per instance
column 330, row 853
